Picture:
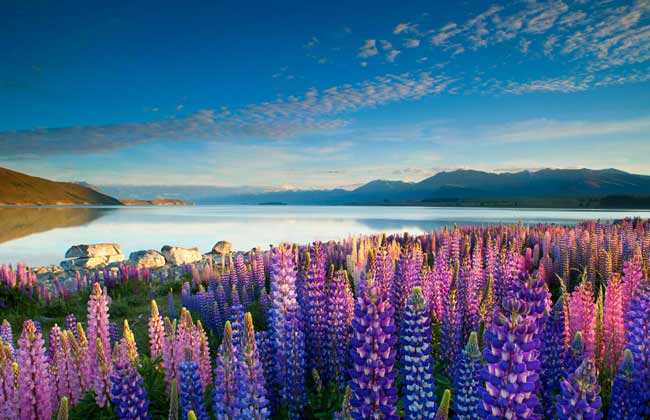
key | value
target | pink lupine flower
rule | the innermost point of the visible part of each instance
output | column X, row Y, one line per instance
column 613, row 322
column 8, row 382
column 102, row 374
column 97, row 324
column 34, row 376
column 582, row 319
column 156, row 331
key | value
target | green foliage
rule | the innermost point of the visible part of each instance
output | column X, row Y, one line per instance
column 154, row 382
column 87, row 408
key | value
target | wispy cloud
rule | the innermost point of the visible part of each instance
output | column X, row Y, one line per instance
column 284, row 118
column 368, row 49
column 411, row 43
column 391, row 55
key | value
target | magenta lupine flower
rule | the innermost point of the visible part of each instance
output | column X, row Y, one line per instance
column 250, row 377
column 35, row 395
column 407, row 276
column 8, row 382
column 613, row 322
column 97, row 324
column 384, row 271
column 168, row 354
column 102, row 374
column 340, row 311
column 511, row 352
column 66, row 375
column 373, row 355
column 205, row 361
column 315, row 297
column 442, row 278
column 582, row 316
column 580, row 397
column 156, row 331
column 224, row 394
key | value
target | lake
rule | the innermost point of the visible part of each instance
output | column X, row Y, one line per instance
column 40, row 236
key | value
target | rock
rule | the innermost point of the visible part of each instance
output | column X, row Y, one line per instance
column 91, row 262
column 93, row 250
column 149, row 258
column 177, row 256
column 222, row 247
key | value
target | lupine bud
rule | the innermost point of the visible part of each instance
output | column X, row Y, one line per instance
column 62, row 414
column 443, row 410
column 625, row 399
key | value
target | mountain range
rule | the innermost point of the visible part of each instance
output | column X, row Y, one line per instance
column 543, row 188
column 463, row 185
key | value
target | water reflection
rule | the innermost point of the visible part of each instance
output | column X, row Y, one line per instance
column 19, row 222
column 40, row 236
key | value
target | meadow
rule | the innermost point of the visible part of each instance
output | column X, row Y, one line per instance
column 495, row 322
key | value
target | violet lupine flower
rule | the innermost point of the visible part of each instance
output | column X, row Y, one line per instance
column 315, row 296
column 205, row 362
column 259, row 274
column 191, row 391
column 511, row 352
column 451, row 332
column 373, row 354
column 613, row 322
column 632, row 277
column 417, row 363
column 97, row 324
column 625, row 401
column 170, row 305
column 406, row 277
column 8, row 382
column 637, row 322
column 574, row 355
column 467, row 381
column 582, row 316
column 81, row 356
column 54, row 340
column 6, row 333
column 71, row 324
column 552, row 357
column 340, row 311
column 128, row 394
column 224, row 394
column 384, row 271
column 102, row 375
column 35, row 395
column 156, row 332
column 580, row 397
column 250, row 377
column 442, row 278
column 168, row 354
column 113, row 333
column 285, row 326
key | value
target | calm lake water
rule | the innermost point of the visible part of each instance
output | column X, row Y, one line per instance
column 40, row 236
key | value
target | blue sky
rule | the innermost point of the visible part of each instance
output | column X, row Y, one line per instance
column 321, row 94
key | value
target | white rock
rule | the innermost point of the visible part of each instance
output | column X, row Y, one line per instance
column 149, row 258
column 222, row 247
column 93, row 250
column 177, row 256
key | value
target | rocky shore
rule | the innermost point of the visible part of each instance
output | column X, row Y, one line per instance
column 82, row 257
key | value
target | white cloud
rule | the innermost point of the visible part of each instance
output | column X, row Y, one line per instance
column 313, row 42
column 368, row 49
column 411, row 43
column 405, row 28
column 385, row 45
column 392, row 54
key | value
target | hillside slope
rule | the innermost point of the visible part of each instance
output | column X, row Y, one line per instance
column 20, row 189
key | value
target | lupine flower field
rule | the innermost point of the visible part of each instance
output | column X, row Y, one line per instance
column 495, row 322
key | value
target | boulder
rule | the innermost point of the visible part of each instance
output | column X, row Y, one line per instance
column 222, row 247
column 93, row 250
column 177, row 256
column 148, row 258
column 91, row 262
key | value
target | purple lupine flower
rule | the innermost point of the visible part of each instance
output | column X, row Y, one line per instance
column 637, row 322
column 156, row 331
column 35, row 395
column 265, row 349
column 582, row 316
column 128, row 395
column 224, row 394
column 552, row 357
column 407, row 276
column 574, row 355
column 8, row 382
column 259, row 273
column 102, row 374
column 511, row 352
column 373, row 354
column 191, row 390
column 97, row 324
column 467, row 381
column 168, row 353
column 451, row 332
column 250, row 377
column 580, row 397
column 67, row 382
column 71, row 324
column 170, row 305
column 285, row 326
column 6, row 333
column 417, row 363
column 625, row 400
column 113, row 333
column 384, row 271
column 340, row 311
column 315, row 297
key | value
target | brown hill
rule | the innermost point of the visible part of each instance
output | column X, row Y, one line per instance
column 23, row 190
